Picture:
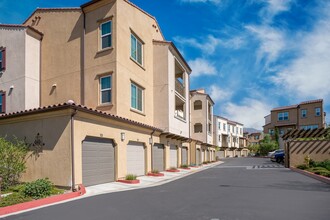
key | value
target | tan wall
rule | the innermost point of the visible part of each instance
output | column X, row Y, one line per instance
column 86, row 125
column 317, row 151
column 55, row 160
column 167, row 143
column 198, row 116
column 60, row 54
column 311, row 119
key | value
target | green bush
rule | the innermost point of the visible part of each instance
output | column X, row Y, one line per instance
column 40, row 188
column 12, row 161
column 302, row 166
column 130, row 177
column 155, row 171
column 13, row 199
column 173, row 168
column 184, row 166
column 325, row 164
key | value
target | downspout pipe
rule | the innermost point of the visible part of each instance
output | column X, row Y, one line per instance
column 151, row 136
column 72, row 151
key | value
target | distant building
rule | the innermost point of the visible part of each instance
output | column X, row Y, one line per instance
column 305, row 115
column 254, row 138
column 228, row 136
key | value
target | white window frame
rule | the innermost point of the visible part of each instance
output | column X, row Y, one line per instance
column 1, row 59
column 105, row 35
column 142, row 96
column 304, row 113
column 136, row 49
column 107, row 89
column 281, row 116
column 318, row 111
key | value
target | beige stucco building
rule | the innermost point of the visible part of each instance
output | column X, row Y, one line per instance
column 111, row 56
column 20, row 68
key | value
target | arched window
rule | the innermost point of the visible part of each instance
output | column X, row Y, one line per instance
column 198, row 105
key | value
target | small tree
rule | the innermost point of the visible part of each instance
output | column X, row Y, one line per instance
column 12, row 161
column 277, row 136
column 267, row 145
column 254, row 148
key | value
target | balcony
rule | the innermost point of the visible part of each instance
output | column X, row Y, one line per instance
column 179, row 88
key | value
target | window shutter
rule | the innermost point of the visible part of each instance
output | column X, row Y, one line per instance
column 4, row 59
column 3, row 110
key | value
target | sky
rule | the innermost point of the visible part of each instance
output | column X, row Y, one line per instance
column 250, row 56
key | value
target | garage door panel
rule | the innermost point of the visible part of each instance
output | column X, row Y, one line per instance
column 98, row 161
column 198, row 157
column 135, row 158
column 184, row 153
column 158, row 157
column 173, row 156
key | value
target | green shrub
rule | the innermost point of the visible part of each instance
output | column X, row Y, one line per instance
column 325, row 164
column 13, row 199
column 184, row 166
column 155, row 171
column 40, row 188
column 173, row 168
column 302, row 166
column 130, row 177
column 12, row 161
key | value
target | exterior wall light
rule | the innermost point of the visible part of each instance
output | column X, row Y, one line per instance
column 11, row 87
column 150, row 141
column 122, row 136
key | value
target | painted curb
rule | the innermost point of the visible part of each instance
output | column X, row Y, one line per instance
column 155, row 174
column 129, row 181
column 312, row 175
column 40, row 202
column 173, row 171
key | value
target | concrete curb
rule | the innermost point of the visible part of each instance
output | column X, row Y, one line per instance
column 41, row 202
column 311, row 175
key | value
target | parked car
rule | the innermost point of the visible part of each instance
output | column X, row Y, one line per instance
column 278, row 156
column 270, row 154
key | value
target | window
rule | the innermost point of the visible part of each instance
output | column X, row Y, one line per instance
column 219, row 138
column 224, row 127
column 281, row 131
column 257, row 137
column 198, row 105
column 198, row 128
column 271, row 131
column 2, row 102
column 105, row 29
column 105, row 89
column 317, row 111
column 136, row 49
column 241, row 131
column 2, row 59
column 210, row 128
column 309, row 127
column 304, row 113
column 136, row 97
column 283, row 116
column 219, row 125
column 228, row 128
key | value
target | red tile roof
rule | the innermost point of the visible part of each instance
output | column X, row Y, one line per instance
column 79, row 108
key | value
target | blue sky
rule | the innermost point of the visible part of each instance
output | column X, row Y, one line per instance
column 249, row 55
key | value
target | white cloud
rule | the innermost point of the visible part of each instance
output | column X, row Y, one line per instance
column 218, row 94
column 274, row 7
column 202, row 1
column 308, row 76
column 250, row 112
column 272, row 42
column 202, row 66
column 207, row 47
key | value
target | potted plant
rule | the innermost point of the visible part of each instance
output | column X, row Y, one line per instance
column 185, row 167
column 155, row 172
column 130, row 179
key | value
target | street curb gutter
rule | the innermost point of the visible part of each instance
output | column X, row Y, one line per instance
column 41, row 202
column 311, row 175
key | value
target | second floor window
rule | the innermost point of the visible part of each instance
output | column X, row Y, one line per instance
column 224, row 127
column 198, row 128
column 283, row 116
column 136, row 97
column 136, row 49
column 304, row 113
column 2, row 59
column 317, row 111
column 2, row 102
column 105, row 34
column 219, row 125
column 105, row 89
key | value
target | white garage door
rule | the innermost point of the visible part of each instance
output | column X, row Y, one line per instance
column 230, row 153
column 98, row 161
column 203, row 156
column 135, row 158
column 184, row 154
column 238, row 153
column 173, row 156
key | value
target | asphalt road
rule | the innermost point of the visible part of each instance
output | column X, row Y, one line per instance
column 241, row 188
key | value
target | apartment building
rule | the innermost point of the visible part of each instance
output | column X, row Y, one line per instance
column 201, row 129
column 228, row 136
column 19, row 68
column 254, row 138
column 305, row 115
column 114, row 89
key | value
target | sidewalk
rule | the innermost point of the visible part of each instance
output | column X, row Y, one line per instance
column 145, row 181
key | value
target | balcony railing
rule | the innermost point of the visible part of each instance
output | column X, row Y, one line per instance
column 179, row 88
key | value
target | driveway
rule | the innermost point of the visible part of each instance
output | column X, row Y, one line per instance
column 240, row 188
